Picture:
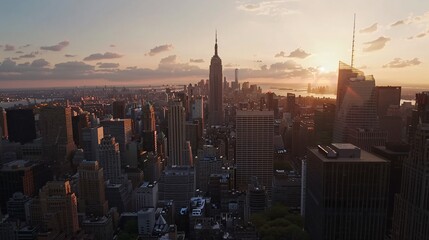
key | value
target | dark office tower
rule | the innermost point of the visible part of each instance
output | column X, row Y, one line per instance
column 270, row 101
column 411, row 214
column 3, row 123
column 396, row 153
column 21, row 176
column 346, row 193
column 148, row 118
column 216, row 113
column 254, row 147
column 176, row 134
column 290, row 104
column 121, row 130
column 388, row 102
column 356, row 106
column 92, row 199
column 79, row 122
column 110, row 159
column 91, row 138
column 387, row 96
column 21, row 127
column 118, row 109
column 57, row 134
column 324, row 124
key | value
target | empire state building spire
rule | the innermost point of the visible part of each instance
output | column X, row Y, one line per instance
column 216, row 43
column 216, row 113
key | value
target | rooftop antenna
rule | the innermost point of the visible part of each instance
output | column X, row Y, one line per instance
column 216, row 42
column 353, row 41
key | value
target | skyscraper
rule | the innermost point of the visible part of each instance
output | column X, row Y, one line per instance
column 92, row 200
column 346, row 193
column 3, row 123
column 411, row 214
column 176, row 134
column 110, row 159
column 148, row 118
column 254, row 147
column 355, row 106
column 148, row 133
column 121, row 130
column 91, row 138
column 56, row 198
column 21, row 125
column 118, row 109
column 57, row 134
column 216, row 113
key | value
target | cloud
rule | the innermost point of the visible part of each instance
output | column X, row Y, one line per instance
column 29, row 55
column 100, row 56
column 40, row 63
column 69, row 55
column 168, row 68
column 377, row 44
column 231, row 65
column 168, row 60
column 107, row 65
column 282, row 66
column 272, row 8
column 25, row 46
column 199, row 60
column 299, row 53
column 280, row 54
column 159, row 49
column 420, row 35
column 400, row 63
column 398, row 23
column 19, row 52
column 10, row 70
column 56, row 48
column 112, row 45
column 370, row 29
column 9, row 48
column 424, row 18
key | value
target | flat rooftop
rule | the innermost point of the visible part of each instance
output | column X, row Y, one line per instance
column 364, row 157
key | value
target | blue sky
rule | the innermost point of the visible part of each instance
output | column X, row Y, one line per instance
column 157, row 41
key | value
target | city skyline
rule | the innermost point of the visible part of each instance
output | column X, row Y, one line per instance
column 63, row 44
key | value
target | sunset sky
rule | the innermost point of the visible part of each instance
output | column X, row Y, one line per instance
column 86, row 42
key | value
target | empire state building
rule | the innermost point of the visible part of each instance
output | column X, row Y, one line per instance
column 216, row 113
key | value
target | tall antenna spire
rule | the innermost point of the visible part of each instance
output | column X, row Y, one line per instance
column 216, row 42
column 353, row 41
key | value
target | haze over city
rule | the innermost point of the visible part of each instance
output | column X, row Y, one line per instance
column 122, row 43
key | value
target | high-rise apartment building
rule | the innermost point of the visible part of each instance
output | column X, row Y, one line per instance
column 148, row 118
column 254, row 147
column 91, row 138
column 216, row 113
column 346, row 193
column 110, row 159
column 411, row 213
column 92, row 200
